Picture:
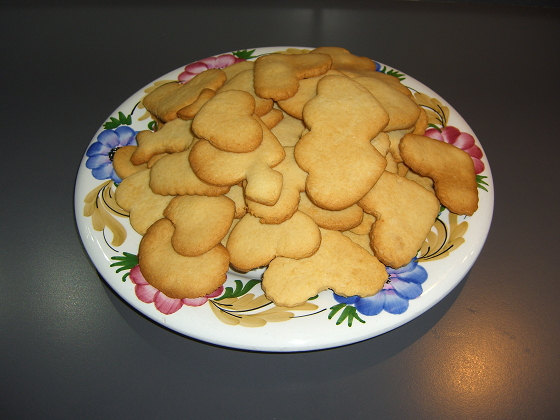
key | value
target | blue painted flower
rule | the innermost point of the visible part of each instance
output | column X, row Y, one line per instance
column 100, row 154
column 403, row 284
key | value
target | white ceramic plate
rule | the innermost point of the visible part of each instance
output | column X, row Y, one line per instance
column 245, row 319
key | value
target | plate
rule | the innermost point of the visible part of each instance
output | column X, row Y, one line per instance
column 238, row 314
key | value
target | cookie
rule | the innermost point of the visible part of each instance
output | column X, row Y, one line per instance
column 307, row 90
column 360, row 239
column 395, row 139
column 289, row 130
column 244, row 81
column 173, row 175
column 422, row 124
column 233, row 224
column 237, row 195
column 272, row 118
column 293, row 183
column 403, row 111
column 289, row 282
column 337, row 153
column 121, row 162
column 425, row 181
column 344, row 219
column 164, row 102
column 451, row 169
column 364, row 228
column 404, row 214
column 355, row 66
column 253, row 244
column 175, row 136
column 277, row 76
column 238, row 67
column 177, row 276
column 402, row 169
column 155, row 158
column 217, row 167
column 383, row 145
column 343, row 59
column 135, row 196
column 227, row 122
column 200, row 222
column 188, row 112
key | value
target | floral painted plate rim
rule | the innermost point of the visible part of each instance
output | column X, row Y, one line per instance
column 238, row 315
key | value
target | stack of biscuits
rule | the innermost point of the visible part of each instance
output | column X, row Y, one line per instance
column 313, row 165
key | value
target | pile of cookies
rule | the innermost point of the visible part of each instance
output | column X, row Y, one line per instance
column 312, row 165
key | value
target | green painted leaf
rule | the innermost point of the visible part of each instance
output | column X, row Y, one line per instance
column 435, row 126
column 228, row 292
column 334, row 309
column 355, row 316
column 126, row 262
column 396, row 74
column 117, row 122
column 344, row 315
column 112, row 124
column 248, row 286
column 152, row 125
column 349, row 313
column 244, row 54
column 480, row 181
column 240, row 289
column 392, row 72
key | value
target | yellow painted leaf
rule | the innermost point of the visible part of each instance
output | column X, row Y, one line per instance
column 307, row 306
column 437, row 113
column 441, row 234
column 111, row 203
column 224, row 317
column 422, row 98
column 250, row 303
column 243, row 302
column 424, row 249
column 97, row 220
column 118, row 230
column 452, row 220
column 440, row 256
column 276, row 316
column 89, row 208
column 433, row 118
column 430, row 243
column 228, row 302
column 453, row 245
column 459, row 231
column 252, row 321
column 92, row 195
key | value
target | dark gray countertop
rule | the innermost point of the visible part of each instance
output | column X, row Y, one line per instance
column 70, row 348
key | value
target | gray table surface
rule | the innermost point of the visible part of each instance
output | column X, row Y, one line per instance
column 70, row 348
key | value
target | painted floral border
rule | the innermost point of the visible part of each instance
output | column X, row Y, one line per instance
column 239, row 304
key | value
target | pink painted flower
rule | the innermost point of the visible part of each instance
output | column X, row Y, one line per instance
column 464, row 141
column 166, row 305
column 224, row 60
